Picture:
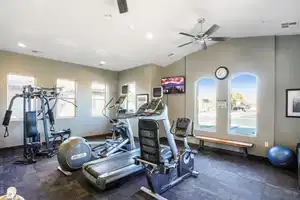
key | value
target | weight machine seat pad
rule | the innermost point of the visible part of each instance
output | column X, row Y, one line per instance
column 31, row 124
column 62, row 132
column 165, row 153
column 34, row 145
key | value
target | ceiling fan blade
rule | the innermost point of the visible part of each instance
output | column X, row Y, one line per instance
column 122, row 4
column 186, row 34
column 204, row 46
column 211, row 30
column 185, row 44
column 218, row 39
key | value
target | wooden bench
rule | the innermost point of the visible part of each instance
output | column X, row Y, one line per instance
column 242, row 145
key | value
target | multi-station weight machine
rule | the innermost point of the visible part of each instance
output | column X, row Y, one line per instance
column 47, row 98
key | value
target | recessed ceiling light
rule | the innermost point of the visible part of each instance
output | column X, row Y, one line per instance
column 108, row 16
column 102, row 63
column 149, row 35
column 20, row 44
column 132, row 27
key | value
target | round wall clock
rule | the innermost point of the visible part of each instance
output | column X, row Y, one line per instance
column 221, row 73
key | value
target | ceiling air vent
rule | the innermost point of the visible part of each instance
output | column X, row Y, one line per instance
column 171, row 54
column 36, row 51
column 289, row 25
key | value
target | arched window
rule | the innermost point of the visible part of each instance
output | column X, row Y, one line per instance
column 243, row 104
column 206, row 104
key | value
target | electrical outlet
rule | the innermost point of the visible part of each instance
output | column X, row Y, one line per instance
column 266, row 144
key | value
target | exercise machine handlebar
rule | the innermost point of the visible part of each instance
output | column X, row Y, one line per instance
column 115, row 106
column 192, row 134
column 109, row 107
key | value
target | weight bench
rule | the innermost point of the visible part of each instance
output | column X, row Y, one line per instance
column 242, row 145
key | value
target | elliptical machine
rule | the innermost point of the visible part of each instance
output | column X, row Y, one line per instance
column 122, row 137
column 163, row 170
column 76, row 151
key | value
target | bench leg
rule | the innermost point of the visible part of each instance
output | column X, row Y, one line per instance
column 201, row 144
column 245, row 151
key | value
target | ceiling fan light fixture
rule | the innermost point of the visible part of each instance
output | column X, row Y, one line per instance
column 149, row 35
column 132, row 27
column 201, row 20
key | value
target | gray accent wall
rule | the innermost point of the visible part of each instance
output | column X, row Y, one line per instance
column 253, row 55
column 46, row 73
column 287, row 130
column 274, row 60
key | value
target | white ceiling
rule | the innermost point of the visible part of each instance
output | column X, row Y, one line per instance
column 77, row 31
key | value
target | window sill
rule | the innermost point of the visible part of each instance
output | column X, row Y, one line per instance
column 204, row 131
column 16, row 119
column 243, row 135
column 73, row 117
column 97, row 116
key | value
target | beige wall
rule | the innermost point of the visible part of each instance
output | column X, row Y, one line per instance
column 274, row 60
column 46, row 72
column 145, row 78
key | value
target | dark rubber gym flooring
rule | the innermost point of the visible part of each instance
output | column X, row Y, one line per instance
column 221, row 176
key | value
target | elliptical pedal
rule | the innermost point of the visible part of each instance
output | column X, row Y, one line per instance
column 67, row 173
column 195, row 173
column 152, row 194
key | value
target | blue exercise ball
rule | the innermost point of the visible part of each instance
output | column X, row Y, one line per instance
column 282, row 157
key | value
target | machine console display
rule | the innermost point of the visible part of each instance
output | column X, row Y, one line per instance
column 124, row 89
column 157, row 92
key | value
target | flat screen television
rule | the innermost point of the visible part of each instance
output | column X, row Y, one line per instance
column 173, row 85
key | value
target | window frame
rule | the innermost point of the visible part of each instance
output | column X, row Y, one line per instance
column 229, row 103
column 7, row 89
column 196, row 113
column 105, row 98
column 75, row 100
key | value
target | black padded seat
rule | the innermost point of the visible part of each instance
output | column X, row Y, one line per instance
column 165, row 153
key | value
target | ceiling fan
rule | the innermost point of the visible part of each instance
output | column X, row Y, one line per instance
column 203, row 37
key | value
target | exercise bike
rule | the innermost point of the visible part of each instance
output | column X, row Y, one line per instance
column 163, row 170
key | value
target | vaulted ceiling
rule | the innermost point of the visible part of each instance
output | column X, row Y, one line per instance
column 94, row 32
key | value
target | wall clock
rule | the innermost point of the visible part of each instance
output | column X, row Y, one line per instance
column 221, row 73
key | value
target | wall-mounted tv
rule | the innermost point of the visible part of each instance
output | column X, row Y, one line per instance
column 173, row 85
